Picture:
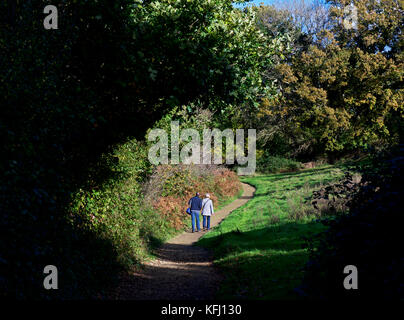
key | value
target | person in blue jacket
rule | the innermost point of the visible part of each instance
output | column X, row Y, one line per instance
column 195, row 204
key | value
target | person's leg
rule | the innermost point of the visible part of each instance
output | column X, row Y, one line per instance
column 204, row 222
column 193, row 220
column 197, row 221
column 208, row 223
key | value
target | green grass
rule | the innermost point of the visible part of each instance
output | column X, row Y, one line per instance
column 223, row 203
column 260, row 247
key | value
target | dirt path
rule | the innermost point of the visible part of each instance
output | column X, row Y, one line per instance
column 181, row 270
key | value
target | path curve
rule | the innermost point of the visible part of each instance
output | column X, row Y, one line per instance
column 181, row 271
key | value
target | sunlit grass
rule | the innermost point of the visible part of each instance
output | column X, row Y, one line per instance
column 260, row 247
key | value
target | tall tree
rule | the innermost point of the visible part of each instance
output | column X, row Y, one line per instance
column 346, row 91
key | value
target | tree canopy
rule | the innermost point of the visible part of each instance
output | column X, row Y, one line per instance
column 344, row 90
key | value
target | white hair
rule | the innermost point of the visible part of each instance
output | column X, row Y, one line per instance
column 207, row 195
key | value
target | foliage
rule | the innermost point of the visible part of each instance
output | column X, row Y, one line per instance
column 68, row 96
column 76, row 101
column 171, row 186
column 337, row 197
column 267, row 163
column 301, row 21
column 114, row 210
column 344, row 91
column 310, row 17
column 59, row 112
column 191, row 116
column 207, row 49
column 369, row 237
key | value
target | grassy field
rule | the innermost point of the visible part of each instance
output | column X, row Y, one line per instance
column 260, row 247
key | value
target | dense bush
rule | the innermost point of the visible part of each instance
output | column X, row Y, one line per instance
column 337, row 197
column 114, row 210
column 171, row 186
column 369, row 237
column 267, row 163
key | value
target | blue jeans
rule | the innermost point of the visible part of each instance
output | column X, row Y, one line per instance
column 195, row 217
column 206, row 219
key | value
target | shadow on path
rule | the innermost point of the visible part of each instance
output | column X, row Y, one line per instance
column 181, row 271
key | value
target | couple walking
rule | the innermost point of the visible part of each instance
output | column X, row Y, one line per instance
column 205, row 207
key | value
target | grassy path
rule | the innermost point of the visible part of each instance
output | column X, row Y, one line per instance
column 181, row 271
column 260, row 247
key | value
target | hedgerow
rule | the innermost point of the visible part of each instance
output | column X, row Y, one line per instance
column 170, row 188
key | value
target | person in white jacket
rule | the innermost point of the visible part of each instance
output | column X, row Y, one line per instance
column 207, row 211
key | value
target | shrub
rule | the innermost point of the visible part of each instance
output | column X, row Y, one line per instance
column 298, row 208
column 336, row 198
column 171, row 186
column 274, row 219
column 274, row 164
column 114, row 209
column 298, row 203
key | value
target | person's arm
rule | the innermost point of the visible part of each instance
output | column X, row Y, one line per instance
column 211, row 206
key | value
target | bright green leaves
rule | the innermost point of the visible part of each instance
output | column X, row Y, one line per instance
column 205, row 48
